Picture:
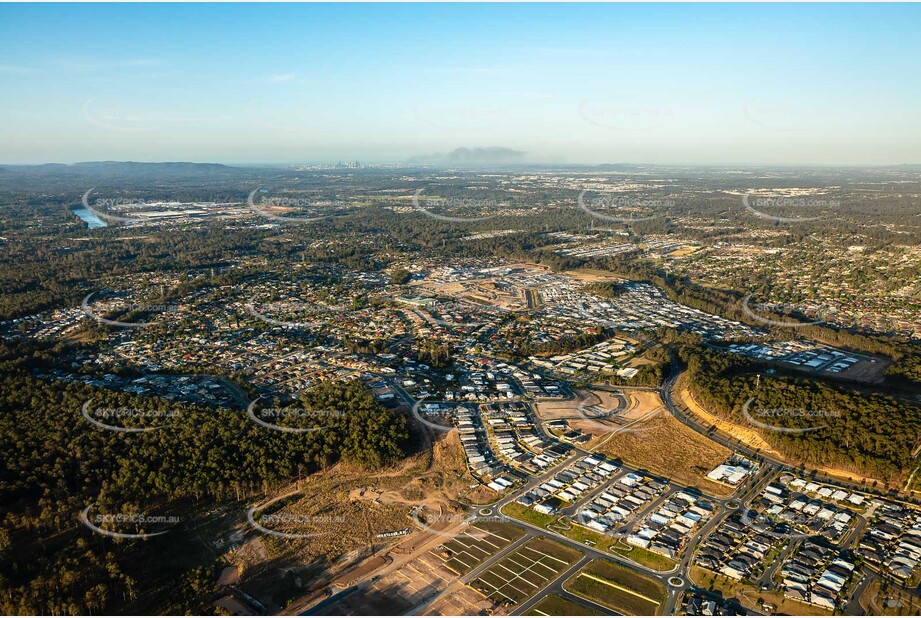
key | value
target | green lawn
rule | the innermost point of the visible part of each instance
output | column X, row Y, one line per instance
column 527, row 515
column 649, row 559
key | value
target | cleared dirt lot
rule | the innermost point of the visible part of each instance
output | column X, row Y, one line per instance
column 553, row 410
column 464, row 601
column 397, row 592
column 466, row 552
column 864, row 370
column 525, row 571
column 351, row 508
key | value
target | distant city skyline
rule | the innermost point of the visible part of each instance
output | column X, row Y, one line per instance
column 654, row 84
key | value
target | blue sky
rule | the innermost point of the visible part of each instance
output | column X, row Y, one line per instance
column 576, row 83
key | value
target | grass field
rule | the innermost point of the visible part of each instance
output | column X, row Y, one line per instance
column 464, row 553
column 617, row 588
column 527, row 515
column 649, row 559
column 668, row 448
column 525, row 571
column 555, row 605
column 603, row 542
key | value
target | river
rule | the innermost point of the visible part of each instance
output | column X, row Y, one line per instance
column 92, row 219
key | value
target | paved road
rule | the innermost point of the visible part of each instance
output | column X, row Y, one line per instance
column 555, row 586
column 667, row 397
column 744, row 494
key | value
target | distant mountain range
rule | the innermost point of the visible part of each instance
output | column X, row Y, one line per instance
column 131, row 174
column 120, row 168
column 57, row 175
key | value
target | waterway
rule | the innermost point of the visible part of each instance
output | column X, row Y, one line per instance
column 92, row 219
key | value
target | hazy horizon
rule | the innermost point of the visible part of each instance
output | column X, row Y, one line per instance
column 547, row 84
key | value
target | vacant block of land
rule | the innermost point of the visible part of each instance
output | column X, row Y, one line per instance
column 666, row 447
column 526, row 570
column 555, row 605
column 480, row 541
column 617, row 588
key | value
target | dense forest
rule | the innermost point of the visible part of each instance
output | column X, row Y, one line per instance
column 869, row 435
column 56, row 464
